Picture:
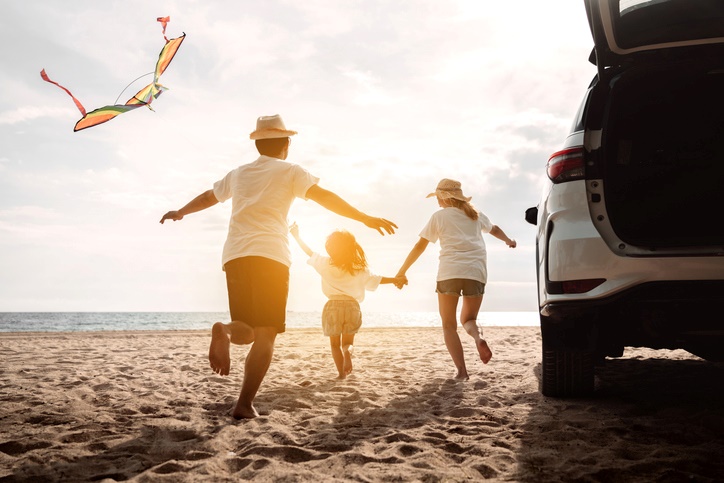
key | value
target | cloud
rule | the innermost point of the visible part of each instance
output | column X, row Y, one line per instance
column 29, row 113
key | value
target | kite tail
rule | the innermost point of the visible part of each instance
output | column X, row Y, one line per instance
column 164, row 21
column 77, row 102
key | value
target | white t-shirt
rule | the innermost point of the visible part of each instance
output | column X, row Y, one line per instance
column 462, row 248
column 336, row 281
column 261, row 194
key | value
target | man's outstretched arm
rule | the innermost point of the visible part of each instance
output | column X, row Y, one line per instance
column 335, row 204
column 201, row 202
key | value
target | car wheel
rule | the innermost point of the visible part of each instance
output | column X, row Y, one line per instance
column 567, row 373
column 567, row 364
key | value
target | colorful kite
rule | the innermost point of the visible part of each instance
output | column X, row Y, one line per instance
column 144, row 97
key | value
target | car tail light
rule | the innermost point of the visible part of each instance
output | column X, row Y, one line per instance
column 573, row 286
column 581, row 286
column 566, row 165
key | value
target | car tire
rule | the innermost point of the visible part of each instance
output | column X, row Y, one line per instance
column 566, row 373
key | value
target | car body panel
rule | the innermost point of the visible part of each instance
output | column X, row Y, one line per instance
column 630, row 231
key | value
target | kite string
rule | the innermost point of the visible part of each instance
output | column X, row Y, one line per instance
column 129, row 85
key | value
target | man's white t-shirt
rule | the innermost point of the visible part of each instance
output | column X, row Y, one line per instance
column 261, row 194
column 462, row 248
column 336, row 281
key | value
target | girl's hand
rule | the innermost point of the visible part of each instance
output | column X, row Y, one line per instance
column 400, row 281
column 512, row 243
column 294, row 229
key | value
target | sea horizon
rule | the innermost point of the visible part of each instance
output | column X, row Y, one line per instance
column 87, row 321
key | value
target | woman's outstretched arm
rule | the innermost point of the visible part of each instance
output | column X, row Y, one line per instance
column 412, row 257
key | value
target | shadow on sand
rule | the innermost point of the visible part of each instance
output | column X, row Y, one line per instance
column 650, row 420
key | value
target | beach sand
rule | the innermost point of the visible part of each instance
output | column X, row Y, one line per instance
column 145, row 406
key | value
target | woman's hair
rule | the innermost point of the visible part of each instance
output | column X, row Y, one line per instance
column 466, row 206
column 344, row 252
column 271, row 147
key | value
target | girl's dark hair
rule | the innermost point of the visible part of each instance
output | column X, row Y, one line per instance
column 271, row 147
column 466, row 206
column 345, row 253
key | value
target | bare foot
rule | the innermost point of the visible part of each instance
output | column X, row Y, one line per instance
column 219, row 358
column 462, row 376
column 242, row 411
column 347, row 353
column 484, row 351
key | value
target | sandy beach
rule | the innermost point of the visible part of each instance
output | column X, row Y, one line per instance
column 145, row 406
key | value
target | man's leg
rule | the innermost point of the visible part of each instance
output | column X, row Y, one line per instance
column 255, row 368
column 221, row 334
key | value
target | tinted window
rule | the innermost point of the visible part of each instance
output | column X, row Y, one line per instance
column 646, row 22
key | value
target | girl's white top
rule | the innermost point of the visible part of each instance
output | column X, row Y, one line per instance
column 337, row 282
column 462, row 248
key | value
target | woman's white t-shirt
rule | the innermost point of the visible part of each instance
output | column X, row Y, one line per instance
column 261, row 194
column 462, row 248
column 336, row 281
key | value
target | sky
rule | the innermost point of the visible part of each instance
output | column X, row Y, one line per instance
column 387, row 97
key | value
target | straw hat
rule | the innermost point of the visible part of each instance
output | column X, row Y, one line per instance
column 268, row 127
column 449, row 188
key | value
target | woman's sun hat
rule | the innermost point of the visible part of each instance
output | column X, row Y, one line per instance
column 269, row 127
column 449, row 188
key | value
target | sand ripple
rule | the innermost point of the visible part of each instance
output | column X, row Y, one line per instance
column 146, row 407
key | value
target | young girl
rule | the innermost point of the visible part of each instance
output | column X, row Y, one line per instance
column 345, row 277
column 462, row 267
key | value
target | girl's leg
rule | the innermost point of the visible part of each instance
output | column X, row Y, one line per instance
column 347, row 347
column 468, row 317
column 334, row 344
column 447, row 305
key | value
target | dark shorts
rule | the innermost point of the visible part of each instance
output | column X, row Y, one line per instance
column 461, row 286
column 258, row 288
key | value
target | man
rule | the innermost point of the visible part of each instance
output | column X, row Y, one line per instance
column 256, row 256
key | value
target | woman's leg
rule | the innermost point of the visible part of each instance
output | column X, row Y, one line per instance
column 347, row 347
column 334, row 344
column 447, row 305
column 468, row 317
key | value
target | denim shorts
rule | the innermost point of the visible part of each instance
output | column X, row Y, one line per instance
column 341, row 316
column 461, row 286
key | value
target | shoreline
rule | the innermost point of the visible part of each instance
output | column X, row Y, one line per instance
column 145, row 406
column 289, row 330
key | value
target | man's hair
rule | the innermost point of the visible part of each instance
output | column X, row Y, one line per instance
column 271, row 147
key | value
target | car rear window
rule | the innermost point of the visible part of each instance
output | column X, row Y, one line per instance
column 640, row 23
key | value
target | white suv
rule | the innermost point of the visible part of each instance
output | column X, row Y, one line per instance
column 630, row 228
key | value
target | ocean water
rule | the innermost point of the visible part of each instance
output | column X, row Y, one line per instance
column 104, row 321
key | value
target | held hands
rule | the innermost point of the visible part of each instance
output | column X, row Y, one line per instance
column 172, row 215
column 400, row 281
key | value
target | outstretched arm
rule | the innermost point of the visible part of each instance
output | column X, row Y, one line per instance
column 412, row 257
column 201, row 202
column 498, row 233
column 335, row 204
column 294, row 230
